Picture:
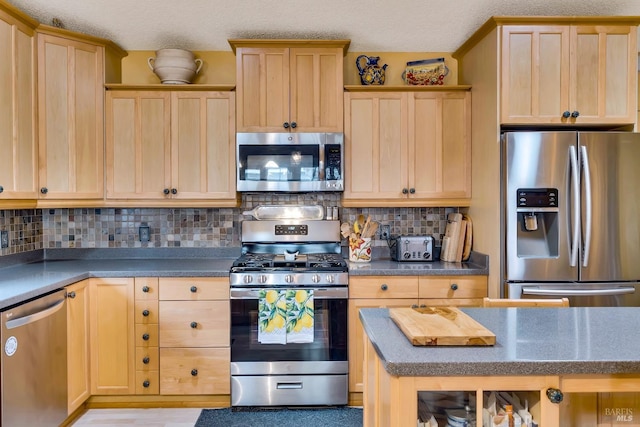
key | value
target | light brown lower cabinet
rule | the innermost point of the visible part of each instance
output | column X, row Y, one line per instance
column 402, row 291
column 78, row 387
column 194, row 325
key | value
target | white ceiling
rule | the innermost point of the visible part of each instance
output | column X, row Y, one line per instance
column 373, row 25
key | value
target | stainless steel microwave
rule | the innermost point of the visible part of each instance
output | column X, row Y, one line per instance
column 291, row 162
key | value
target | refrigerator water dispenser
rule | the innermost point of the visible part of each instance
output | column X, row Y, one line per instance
column 537, row 231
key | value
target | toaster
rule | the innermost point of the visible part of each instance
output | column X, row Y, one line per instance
column 411, row 248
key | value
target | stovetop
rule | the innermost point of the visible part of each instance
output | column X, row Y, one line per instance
column 316, row 262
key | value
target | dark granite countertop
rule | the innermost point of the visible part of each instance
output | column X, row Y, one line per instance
column 30, row 275
column 529, row 341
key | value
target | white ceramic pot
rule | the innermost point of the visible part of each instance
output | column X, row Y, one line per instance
column 175, row 66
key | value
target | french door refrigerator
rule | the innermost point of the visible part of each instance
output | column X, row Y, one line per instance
column 571, row 225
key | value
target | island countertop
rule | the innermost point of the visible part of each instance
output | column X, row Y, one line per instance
column 529, row 341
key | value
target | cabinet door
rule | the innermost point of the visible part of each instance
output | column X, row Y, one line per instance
column 112, row 336
column 18, row 166
column 203, row 145
column 71, row 128
column 376, row 146
column 138, row 134
column 603, row 72
column 316, row 89
column 439, row 155
column 78, row 387
column 356, row 335
column 535, row 74
column 262, row 87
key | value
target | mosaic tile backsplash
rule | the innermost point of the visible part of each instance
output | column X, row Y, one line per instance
column 185, row 227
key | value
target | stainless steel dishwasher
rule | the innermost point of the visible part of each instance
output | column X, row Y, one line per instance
column 34, row 362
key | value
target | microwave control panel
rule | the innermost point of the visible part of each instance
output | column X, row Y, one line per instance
column 333, row 161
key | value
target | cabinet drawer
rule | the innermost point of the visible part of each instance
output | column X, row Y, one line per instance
column 146, row 335
column 147, row 359
column 383, row 287
column 453, row 287
column 194, row 288
column 194, row 323
column 146, row 288
column 147, row 382
column 195, row 371
column 146, row 311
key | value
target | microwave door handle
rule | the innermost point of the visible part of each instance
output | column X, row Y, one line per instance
column 587, row 203
column 575, row 208
column 578, row 292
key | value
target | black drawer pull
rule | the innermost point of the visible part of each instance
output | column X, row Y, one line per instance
column 193, row 289
column 145, row 289
column 145, row 360
column 146, row 384
column 145, row 313
column 145, row 337
column 72, row 294
column 194, row 325
column 454, row 286
column 384, row 287
column 194, row 372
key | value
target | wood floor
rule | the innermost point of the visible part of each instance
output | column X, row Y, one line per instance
column 153, row 417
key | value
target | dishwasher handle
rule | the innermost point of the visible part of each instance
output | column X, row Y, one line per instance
column 578, row 292
column 33, row 317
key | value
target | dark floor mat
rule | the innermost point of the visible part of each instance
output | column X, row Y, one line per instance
column 280, row 417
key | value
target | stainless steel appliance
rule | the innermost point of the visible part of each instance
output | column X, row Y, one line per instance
column 34, row 362
column 411, row 248
column 290, row 255
column 570, row 206
column 290, row 162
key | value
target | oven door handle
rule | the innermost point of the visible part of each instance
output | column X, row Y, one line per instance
column 318, row 293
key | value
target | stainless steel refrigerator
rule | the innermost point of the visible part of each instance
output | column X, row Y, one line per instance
column 571, row 225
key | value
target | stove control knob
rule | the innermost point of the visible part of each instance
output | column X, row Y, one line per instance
column 262, row 278
column 248, row 279
column 315, row 278
column 288, row 278
column 330, row 278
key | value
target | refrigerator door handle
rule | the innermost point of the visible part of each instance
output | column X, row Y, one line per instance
column 575, row 209
column 587, row 200
column 578, row 292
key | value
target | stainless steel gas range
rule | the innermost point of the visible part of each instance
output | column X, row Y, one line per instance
column 289, row 298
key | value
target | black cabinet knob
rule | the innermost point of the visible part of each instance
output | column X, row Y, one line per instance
column 193, row 289
column 145, row 337
column 454, row 286
column 145, row 313
column 575, row 114
column 194, row 325
column 194, row 372
column 285, row 125
column 1, row 188
column 566, row 114
column 294, row 125
column 384, row 287
column 145, row 360
column 174, row 191
column 414, row 305
column 554, row 395
column 146, row 384
column 412, row 190
column 166, row 191
column 44, row 190
column 405, row 191
column 145, row 289
column 72, row 294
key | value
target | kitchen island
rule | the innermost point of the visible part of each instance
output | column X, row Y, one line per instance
column 573, row 353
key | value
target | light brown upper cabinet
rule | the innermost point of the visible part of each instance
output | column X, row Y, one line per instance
column 569, row 74
column 18, row 162
column 408, row 148
column 165, row 147
column 71, row 75
column 289, row 85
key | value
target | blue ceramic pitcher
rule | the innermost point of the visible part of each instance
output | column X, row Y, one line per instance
column 370, row 72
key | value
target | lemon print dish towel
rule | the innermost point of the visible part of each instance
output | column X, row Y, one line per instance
column 285, row 316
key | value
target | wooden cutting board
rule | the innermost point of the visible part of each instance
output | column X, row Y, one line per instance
column 440, row 326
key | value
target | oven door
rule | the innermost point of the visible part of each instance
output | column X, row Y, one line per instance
column 325, row 355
